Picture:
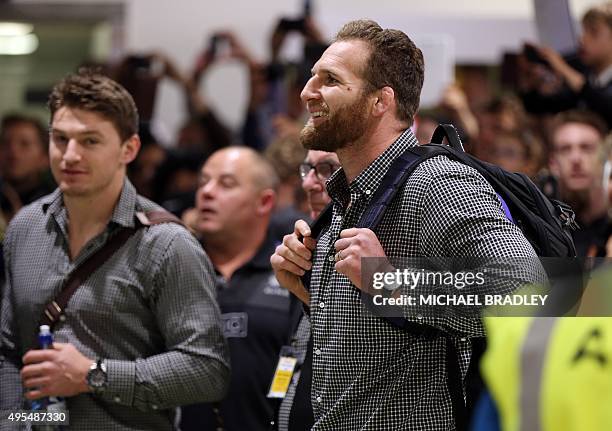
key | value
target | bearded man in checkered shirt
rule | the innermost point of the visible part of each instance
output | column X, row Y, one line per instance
column 368, row 374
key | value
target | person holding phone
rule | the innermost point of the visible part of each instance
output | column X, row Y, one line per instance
column 550, row 84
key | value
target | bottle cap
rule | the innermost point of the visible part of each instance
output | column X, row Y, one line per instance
column 45, row 330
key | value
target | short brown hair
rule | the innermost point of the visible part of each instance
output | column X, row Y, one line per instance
column 599, row 13
column 286, row 155
column 581, row 117
column 91, row 91
column 394, row 62
column 11, row 120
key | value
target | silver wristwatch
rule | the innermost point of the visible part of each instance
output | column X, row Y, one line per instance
column 97, row 377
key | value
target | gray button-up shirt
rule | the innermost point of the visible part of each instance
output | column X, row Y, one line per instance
column 149, row 311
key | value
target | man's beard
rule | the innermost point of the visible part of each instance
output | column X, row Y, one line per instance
column 341, row 128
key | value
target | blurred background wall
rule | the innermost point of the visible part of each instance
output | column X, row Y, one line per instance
column 472, row 34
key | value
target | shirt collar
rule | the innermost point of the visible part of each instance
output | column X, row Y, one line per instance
column 369, row 179
column 261, row 260
column 53, row 203
column 123, row 213
column 604, row 77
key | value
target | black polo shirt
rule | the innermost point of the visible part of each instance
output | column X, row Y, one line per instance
column 591, row 239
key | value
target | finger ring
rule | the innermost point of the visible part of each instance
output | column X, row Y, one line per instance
column 337, row 257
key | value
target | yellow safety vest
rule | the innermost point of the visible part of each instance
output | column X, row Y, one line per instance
column 550, row 374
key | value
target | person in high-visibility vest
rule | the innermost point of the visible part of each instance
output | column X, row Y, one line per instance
column 549, row 373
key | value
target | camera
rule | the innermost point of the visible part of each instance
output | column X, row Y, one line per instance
column 219, row 45
column 533, row 56
column 139, row 62
column 287, row 24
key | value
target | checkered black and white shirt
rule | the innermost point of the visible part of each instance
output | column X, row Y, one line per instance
column 149, row 311
column 368, row 374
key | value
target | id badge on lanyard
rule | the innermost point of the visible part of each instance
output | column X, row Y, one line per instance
column 283, row 374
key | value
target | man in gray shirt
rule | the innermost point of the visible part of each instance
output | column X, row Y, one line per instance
column 145, row 321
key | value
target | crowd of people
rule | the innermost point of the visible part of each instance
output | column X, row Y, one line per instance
column 211, row 273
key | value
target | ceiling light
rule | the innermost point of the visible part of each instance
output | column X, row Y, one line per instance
column 18, row 45
column 15, row 28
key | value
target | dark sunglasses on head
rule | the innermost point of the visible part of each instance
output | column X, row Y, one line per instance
column 323, row 170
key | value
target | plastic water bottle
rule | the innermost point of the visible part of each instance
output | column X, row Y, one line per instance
column 51, row 404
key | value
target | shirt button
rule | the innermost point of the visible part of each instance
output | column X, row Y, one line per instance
column 419, row 317
column 368, row 191
column 321, row 304
column 331, row 258
column 463, row 339
column 117, row 399
column 319, row 399
column 317, row 352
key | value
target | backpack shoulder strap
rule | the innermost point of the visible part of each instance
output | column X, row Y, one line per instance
column 322, row 221
column 401, row 169
column 398, row 173
column 318, row 226
column 449, row 132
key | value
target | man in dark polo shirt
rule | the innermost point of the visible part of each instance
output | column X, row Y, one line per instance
column 234, row 201
column 578, row 158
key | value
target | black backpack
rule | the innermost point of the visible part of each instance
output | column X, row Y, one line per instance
column 545, row 223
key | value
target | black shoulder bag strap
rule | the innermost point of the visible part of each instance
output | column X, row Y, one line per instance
column 396, row 176
column 54, row 310
column 317, row 228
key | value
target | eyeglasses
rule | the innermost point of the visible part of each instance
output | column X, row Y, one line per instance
column 323, row 170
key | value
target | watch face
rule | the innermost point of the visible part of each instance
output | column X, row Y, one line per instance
column 97, row 378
